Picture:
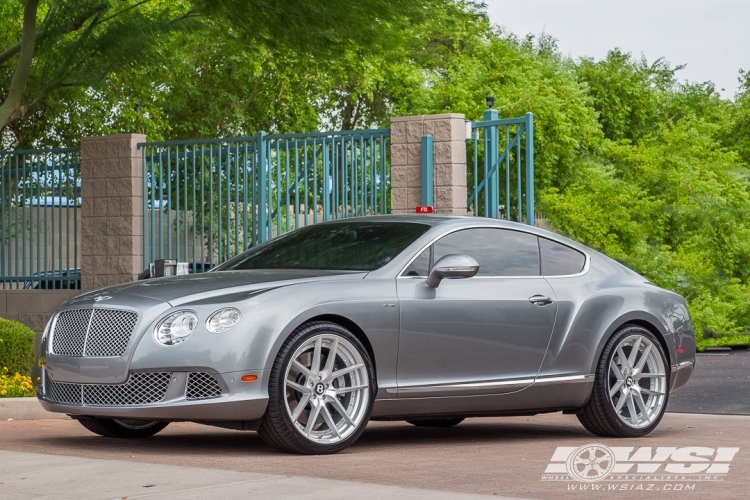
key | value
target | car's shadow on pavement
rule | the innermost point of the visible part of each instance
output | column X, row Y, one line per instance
column 190, row 439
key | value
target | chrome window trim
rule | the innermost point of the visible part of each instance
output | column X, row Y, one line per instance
column 472, row 386
column 586, row 264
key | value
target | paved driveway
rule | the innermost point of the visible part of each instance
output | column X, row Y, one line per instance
column 499, row 457
column 492, row 456
column 720, row 384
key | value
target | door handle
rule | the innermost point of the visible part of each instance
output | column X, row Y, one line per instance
column 540, row 300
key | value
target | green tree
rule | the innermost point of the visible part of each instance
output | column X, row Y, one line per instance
column 62, row 45
column 627, row 93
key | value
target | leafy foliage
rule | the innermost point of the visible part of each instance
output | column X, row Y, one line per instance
column 629, row 160
column 16, row 347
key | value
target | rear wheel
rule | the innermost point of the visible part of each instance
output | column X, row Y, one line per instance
column 631, row 388
column 321, row 391
column 122, row 428
column 439, row 422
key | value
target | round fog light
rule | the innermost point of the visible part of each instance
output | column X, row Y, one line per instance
column 175, row 328
column 222, row 320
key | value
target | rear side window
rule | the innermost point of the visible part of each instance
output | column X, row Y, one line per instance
column 560, row 260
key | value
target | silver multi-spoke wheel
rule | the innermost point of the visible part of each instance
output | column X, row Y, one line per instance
column 631, row 385
column 327, row 389
column 321, row 390
column 637, row 381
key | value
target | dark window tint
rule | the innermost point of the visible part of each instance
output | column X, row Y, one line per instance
column 420, row 266
column 559, row 260
column 499, row 252
column 346, row 246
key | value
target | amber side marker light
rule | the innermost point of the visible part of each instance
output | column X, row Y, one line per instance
column 249, row 378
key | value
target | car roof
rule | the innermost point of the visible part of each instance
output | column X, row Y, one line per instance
column 450, row 220
column 453, row 221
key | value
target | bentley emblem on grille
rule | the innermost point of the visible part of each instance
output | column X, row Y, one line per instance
column 101, row 297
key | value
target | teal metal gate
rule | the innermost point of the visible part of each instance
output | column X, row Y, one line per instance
column 207, row 200
column 501, row 162
column 39, row 212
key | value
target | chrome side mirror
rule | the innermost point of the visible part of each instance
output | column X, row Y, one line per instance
column 452, row 266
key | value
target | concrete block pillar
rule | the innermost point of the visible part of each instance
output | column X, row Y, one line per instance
column 111, row 210
column 448, row 131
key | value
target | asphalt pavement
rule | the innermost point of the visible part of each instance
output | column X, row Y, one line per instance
column 50, row 477
column 500, row 457
column 56, row 458
column 720, row 385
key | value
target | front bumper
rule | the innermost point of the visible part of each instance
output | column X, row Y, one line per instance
column 681, row 374
column 239, row 401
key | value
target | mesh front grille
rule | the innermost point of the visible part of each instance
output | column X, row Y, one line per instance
column 140, row 389
column 64, row 393
column 109, row 332
column 202, row 386
column 70, row 332
column 105, row 334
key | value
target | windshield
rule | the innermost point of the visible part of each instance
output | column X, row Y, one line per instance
column 345, row 246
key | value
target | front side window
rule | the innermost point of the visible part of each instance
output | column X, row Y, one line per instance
column 345, row 246
column 421, row 265
column 499, row 252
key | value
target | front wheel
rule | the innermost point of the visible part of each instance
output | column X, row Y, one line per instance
column 121, row 428
column 631, row 387
column 321, row 391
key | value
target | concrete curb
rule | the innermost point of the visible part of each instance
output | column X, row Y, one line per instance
column 24, row 409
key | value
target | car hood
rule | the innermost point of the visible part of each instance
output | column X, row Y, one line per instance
column 178, row 289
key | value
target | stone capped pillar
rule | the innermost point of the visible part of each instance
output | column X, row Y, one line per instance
column 448, row 131
column 111, row 210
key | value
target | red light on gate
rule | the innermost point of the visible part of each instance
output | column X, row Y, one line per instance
column 425, row 210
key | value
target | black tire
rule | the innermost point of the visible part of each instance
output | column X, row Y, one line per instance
column 277, row 428
column 440, row 422
column 598, row 416
column 125, row 429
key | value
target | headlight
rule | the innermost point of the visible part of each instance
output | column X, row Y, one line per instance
column 222, row 320
column 175, row 328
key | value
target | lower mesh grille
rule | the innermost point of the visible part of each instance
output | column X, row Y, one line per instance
column 202, row 386
column 140, row 389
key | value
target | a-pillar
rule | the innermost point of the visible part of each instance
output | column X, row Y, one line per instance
column 111, row 210
column 449, row 176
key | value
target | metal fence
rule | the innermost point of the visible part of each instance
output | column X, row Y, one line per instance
column 207, row 200
column 500, row 174
column 39, row 218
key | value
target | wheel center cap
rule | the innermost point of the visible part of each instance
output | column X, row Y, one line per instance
column 629, row 381
column 320, row 389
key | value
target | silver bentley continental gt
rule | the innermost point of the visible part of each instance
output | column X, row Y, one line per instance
column 427, row 319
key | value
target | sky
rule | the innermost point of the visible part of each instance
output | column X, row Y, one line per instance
column 711, row 37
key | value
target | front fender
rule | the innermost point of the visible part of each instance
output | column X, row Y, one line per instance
column 370, row 304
